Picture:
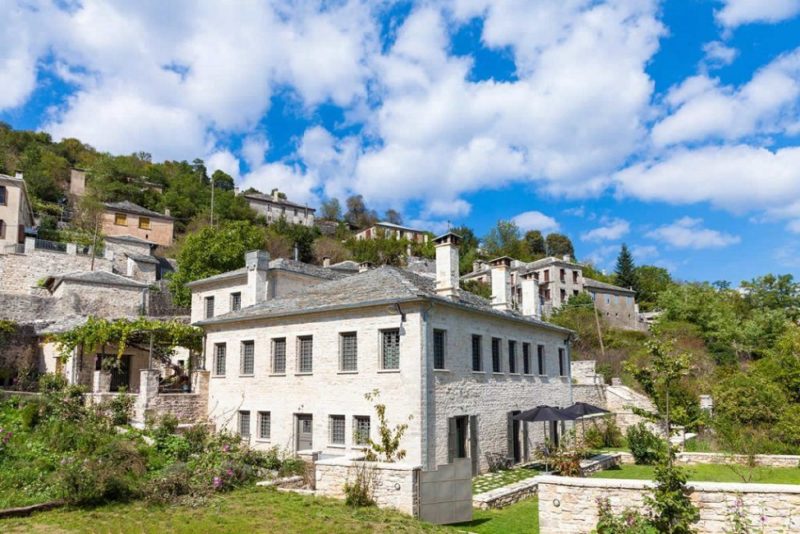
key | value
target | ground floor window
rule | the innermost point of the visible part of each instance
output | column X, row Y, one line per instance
column 361, row 429
column 337, row 434
column 264, row 425
column 244, row 424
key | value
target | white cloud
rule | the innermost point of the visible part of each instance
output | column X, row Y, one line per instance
column 794, row 226
column 689, row 232
column 610, row 230
column 737, row 12
column 701, row 108
column 644, row 252
column 603, row 256
column 718, row 54
column 224, row 161
column 535, row 220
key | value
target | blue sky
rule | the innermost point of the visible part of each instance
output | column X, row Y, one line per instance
column 673, row 126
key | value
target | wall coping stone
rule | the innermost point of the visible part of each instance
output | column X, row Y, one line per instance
column 732, row 487
column 506, row 491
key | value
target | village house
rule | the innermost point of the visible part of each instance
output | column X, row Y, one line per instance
column 16, row 212
column 129, row 219
column 275, row 206
column 389, row 230
column 559, row 279
column 292, row 370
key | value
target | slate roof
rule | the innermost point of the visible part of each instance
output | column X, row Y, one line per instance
column 96, row 277
column 387, row 224
column 130, row 239
column 261, row 197
column 143, row 258
column 384, row 285
column 597, row 284
column 130, row 207
column 63, row 324
column 346, row 265
column 282, row 264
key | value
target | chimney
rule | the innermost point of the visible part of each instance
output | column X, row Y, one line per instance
column 18, row 176
column 326, row 261
column 501, row 283
column 276, row 195
column 567, row 257
column 167, row 212
column 530, row 296
column 478, row 266
column 364, row 266
column 257, row 263
column 447, row 274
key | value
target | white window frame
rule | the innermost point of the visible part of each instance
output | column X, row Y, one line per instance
column 299, row 345
column 331, row 430
column 342, row 337
column 217, row 347
column 382, row 363
column 262, row 416
column 443, row 333
column 242, row 357
column 274, row 342
column 244, row 415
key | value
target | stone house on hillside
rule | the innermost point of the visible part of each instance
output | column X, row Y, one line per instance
column 292, row 370
column 275, row 206
column 390, row 230
column 16, row 212
column 129, row 219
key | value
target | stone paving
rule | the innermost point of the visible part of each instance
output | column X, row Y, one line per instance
column 490, row 481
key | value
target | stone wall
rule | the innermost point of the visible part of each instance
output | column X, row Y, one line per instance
column 767, row 460
column 396, row 485
column 21, row 272
column 188, row 408
column 24, row 308
column 569, row 505
column 18, row 355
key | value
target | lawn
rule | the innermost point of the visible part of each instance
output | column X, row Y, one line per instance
column 710, row 473
column 519, row 518
column 490, row 481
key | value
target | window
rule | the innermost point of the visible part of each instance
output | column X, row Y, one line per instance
column 348, row 352
column 563, row 275
column 3, row 195
column 547, row 294
column 540, row 359
column 495, row 355
column 120, row 219
column 247, row 358
column 361, row 429
column 574, row 277
column 305, row 356
column 219, row 359
column 264, row 425
column 390, row 349
column 512, row 356
column 547, row 275
column 209, row 307
column 279, row 356
column 563, row 295
column 477, row 357
column 438, row 349
column 526, row 358
column 144, row 223
column 244, row 424
column 336, row 425
column 2, row 229
column 236, row 301
column 562, row 362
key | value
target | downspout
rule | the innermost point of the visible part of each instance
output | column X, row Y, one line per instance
column 428, row 409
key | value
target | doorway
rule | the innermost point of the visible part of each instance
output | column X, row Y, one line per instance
column 120, row 372
column 514, row 441
column 305, row 432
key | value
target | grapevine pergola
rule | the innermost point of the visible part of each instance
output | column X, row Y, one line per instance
column 159, row 337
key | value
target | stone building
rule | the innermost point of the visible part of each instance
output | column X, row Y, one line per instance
column 276, row 206
column 390, row 230
column 129, row 219
column 292, row 370
column 16, row 212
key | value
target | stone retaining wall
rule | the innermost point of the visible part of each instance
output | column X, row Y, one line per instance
column 507, row 495
column 396, row 485
column 19, row 273
column 569, row 505
column 700, row 458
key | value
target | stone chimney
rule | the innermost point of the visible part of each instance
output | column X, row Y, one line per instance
column 478, row 266
column 276, row 195
column 18, row 176
column 567, row 257
column 447, row 273
column 364, row 266
column 501, row 283
column 167, row 212
column 257, row 263
column 530, row 296
column 326, row 261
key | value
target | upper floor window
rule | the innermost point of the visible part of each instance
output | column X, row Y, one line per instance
column 563, row 295
column 247, row 363
column 574, row 277
column 562, row 362
column 526, row 358
column 3, row 195
column 477, row 356
column 348, row 351
column 120, row 219
column 220, row 355
column 144, row 223
column 512, row 356
column 495, row 355
column 279, row 356
column 209, row 307
column 305, row 354
column 438, row 349
column 547, row 275
column 563, row 275
column 236, row 301
column 390, row 349
column 540, row 360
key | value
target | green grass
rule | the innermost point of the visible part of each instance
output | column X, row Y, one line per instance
column 710, row 473
column 519, row 518
column 246, row 510
column 490, row 481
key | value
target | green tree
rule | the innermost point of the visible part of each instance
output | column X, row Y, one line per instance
column 467, row 249
column 504, row 240
column 625, row 271
column 222, row 181
column 774, row 292
column 559, row 245
column 651, row 281
column 534, row 242
column 358, row 215
column 393, row 216
column 213, row 250
column 331, row 210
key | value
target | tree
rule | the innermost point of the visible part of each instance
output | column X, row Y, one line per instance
column 774, row 292
column 651, row 281
column 326, row 247
column 504, row 240
column 331, row 210
column 222, row 181
column 559, row 245
column 393, row 216
column 213, row 250
column 357, row 213
column 301, row 236
column 625, row 272
column 467, row 249
column 534, row 241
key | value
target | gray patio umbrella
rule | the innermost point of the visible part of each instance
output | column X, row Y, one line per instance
column 581, row 409
column 544, row 414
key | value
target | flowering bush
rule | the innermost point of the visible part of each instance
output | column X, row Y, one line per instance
column 630, row 521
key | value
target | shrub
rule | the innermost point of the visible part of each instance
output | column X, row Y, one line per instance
column 567, row 462
column 646, row 447
column 671, row 510
column 604, row 434
column 120, row 408
column 360, row 492
column 173, row 482
column 630, row 521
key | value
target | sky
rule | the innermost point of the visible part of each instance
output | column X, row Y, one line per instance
column 671, row 126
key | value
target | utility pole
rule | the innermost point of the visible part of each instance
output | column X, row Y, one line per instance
column 599, row 332
column 94, row 241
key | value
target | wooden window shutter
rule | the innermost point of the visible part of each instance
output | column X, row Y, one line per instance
column 451, row 439
column 473, row 442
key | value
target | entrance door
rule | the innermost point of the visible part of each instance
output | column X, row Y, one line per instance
column 305, row 432
column 120, row 373
column 514, row 441
column 457, row 436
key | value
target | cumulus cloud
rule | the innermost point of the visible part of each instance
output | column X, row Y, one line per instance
column 610, row 230
column 644, row 252
column 689, row 232
column 535, row 220
column 737, row 12
column 718, row 54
